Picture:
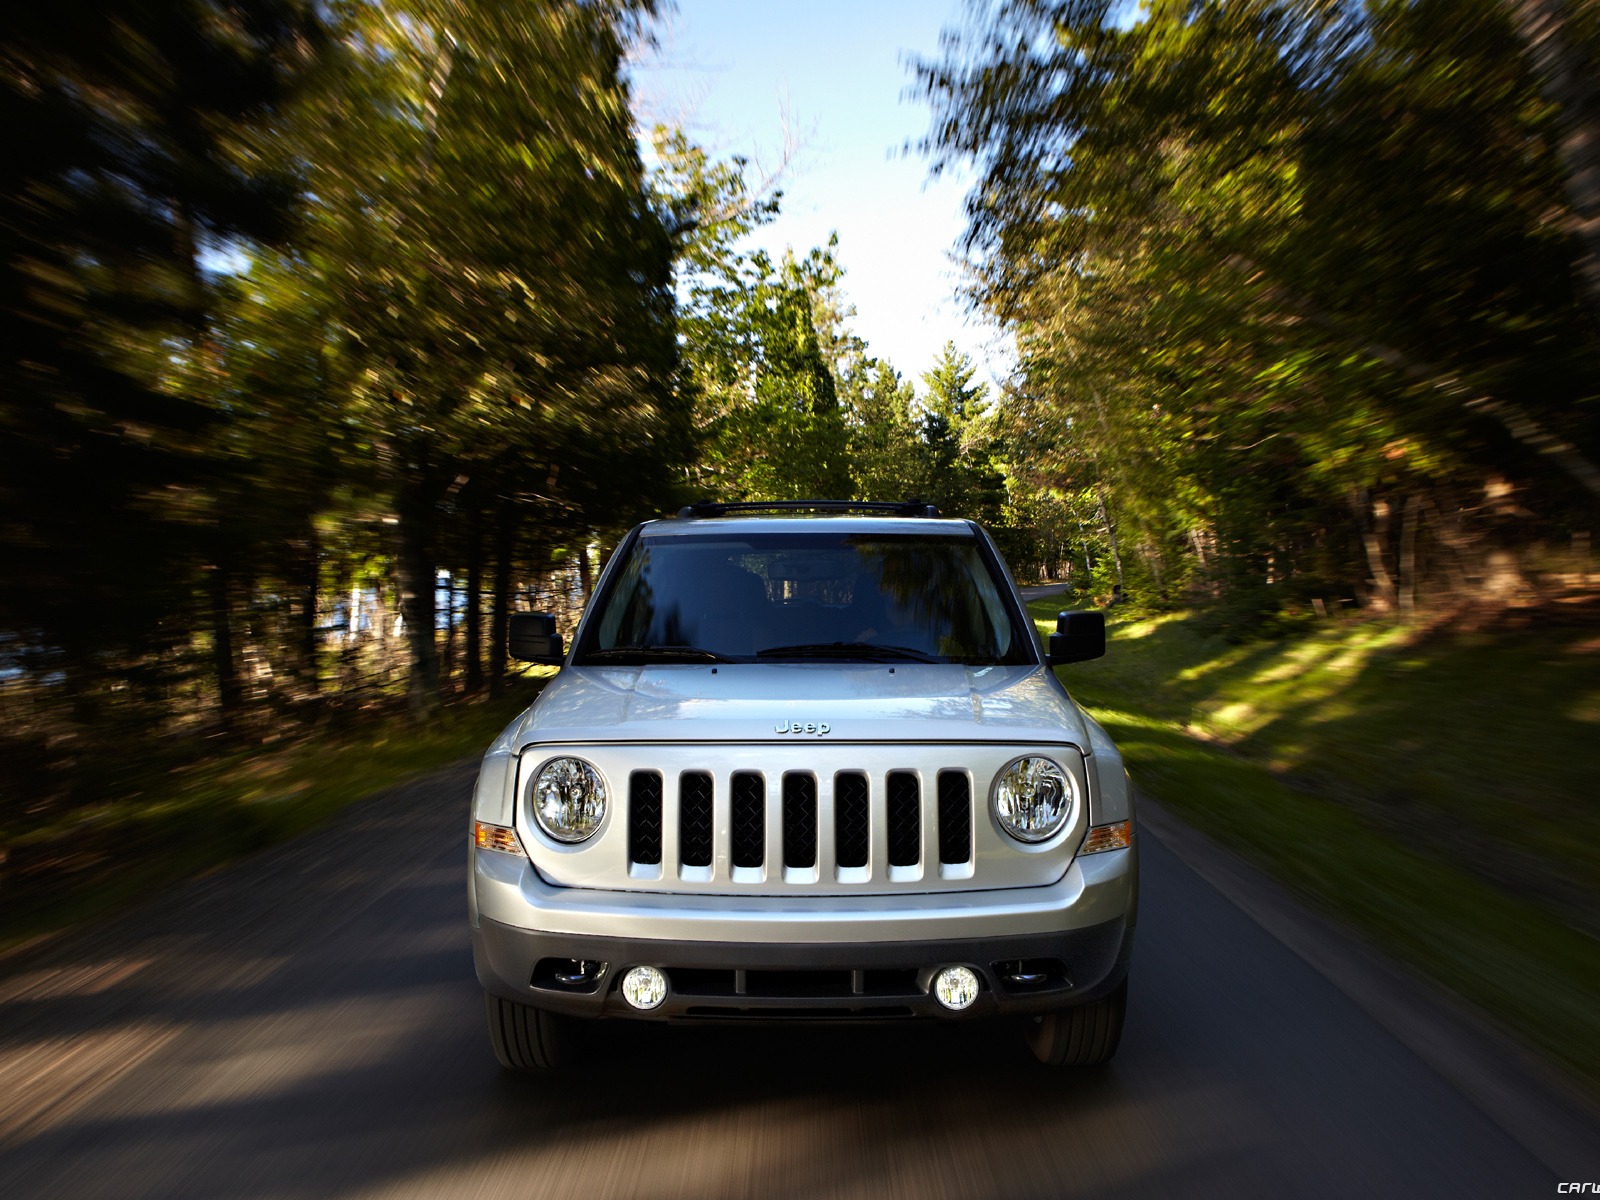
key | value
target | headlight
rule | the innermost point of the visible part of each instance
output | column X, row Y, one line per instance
column 569, row 799
column 1033, row 799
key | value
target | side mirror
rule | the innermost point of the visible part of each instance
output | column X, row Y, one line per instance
column 1079, row 636
column 533, row 638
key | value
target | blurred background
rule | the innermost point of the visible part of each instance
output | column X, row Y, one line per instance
column 332, row 333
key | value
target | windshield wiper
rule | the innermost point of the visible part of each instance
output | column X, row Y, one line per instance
column 656, row 654
column 861, row 650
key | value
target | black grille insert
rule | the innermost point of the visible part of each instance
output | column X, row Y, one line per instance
column 955, row 817
column 866, row 1012
column 694, row 819
column 701, row 981
column 851, row 819
column 799, row 820
column 905, row 819
column 644, row 817
column 800, row 984
column 749, row 819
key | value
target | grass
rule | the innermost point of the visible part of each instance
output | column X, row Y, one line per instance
column 189, row 822
column 1434, row 791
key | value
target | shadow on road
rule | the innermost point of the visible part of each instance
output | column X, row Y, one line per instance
column 307, row 1025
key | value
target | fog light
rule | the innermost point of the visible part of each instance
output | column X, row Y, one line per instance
column 955, row 987
column 644, row 987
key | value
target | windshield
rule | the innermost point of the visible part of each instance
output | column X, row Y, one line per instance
column 805, row 597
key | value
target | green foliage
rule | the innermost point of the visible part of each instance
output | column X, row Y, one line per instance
column 1279, row 269
column 304, row 309
column 1335, row 758
column 767, row 410
column 313, row 317
column 885, row 448
column 789, row 403
column 492, row 280
column 960, row 447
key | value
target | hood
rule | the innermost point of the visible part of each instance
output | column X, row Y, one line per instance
column 786, row 702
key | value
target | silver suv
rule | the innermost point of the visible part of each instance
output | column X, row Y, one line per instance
column 804, row 762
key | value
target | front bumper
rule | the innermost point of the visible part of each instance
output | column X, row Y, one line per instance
column 801, row 958
column 874, row 981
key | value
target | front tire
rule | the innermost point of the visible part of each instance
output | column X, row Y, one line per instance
column 1083, row 1036
column 529, row 1039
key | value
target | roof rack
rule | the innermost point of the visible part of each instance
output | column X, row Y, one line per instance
column 718, row 508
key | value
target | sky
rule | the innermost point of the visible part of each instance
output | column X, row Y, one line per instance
column 836, row 74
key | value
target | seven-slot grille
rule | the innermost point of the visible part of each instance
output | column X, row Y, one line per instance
column 899, row 794
column 761, row 819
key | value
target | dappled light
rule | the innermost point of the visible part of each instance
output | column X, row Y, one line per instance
column 1363, row 741
column 338, row 338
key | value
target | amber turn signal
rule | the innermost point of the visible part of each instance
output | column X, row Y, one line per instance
column 1108, row 837
column 497, row 837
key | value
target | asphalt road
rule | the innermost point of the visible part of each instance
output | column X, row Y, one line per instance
column 307, row 1024
column 1037, row 591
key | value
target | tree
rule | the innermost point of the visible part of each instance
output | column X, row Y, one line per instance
column 958, row 439
column 127, row 163
column 1281, row 269
column 1555, row 44
column 885, row 447
column 499, row 280
column 763, row 383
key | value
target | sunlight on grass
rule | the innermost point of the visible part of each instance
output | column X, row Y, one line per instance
column 1235, row 716
column 1226, row 658
column 1296, row 662
column 1129, row 632
column 1436, row 793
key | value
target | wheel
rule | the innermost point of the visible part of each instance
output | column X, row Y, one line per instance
column 1083, row 1036
column 529, row 1039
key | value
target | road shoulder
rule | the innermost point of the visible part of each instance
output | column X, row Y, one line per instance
column 1547, row 1114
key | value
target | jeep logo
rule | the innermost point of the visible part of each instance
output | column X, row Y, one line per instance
column 797, row 727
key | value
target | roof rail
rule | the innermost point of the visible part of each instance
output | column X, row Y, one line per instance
column 718, row 508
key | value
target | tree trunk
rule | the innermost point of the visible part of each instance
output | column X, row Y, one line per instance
column 474, row 646
column 1447, row 534
column 309, row 668
column 349, row 678
column 1375, row 538
column 447, row 669
column 499, row 619
column 417, row 577
column 1111, row 534
column 585, row 571
column 1152, row 558
column 222, row 659
column 1565, row 80
column 384, row 624
column 1408, row 553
